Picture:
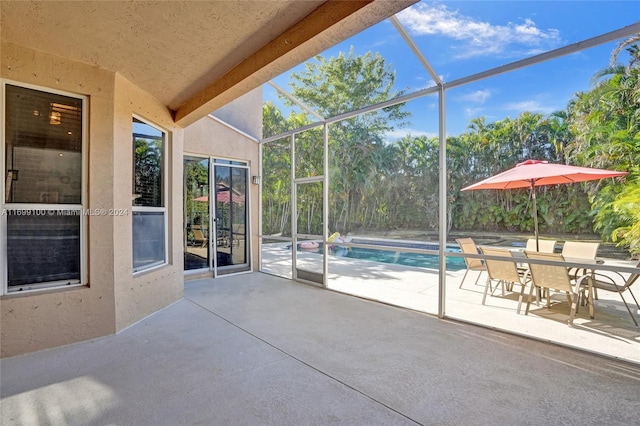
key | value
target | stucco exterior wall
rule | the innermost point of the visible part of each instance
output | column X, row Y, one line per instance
column 114, row 298
column 39, row 320
column 244, row 113
column 208, row 137
column 137, row 296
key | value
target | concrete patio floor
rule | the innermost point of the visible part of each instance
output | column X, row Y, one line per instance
column 255, row 349
column 611, row 333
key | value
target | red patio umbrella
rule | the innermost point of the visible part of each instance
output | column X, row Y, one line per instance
column 225, row 197
column 222, row 197
column 532, row 173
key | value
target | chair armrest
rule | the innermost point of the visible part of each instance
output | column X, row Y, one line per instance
column 579, row 280
column 606, row 282
column 598, row 276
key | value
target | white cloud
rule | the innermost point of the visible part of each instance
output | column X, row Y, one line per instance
column 472, row 112
column 478, row 38
column 398, row 134
column 422, row 84
column 530, row 106
column 479, row 96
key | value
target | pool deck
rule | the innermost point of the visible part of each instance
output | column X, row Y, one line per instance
column 611, row 333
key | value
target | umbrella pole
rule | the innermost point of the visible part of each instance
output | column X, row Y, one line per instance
column 535, row 214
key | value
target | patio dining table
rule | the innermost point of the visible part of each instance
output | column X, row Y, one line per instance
column 571, row 263
column 518, row 252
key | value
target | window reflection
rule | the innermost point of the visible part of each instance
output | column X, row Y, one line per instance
column 148, row 157
column 43, row 147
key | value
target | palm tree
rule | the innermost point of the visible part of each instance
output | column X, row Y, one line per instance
column 630, row 44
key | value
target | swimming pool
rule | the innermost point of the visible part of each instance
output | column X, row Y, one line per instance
column 418, row 260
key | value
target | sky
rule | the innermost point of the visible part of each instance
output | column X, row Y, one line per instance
column 461, row 38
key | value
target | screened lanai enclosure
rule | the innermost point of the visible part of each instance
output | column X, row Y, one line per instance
column 367, row 146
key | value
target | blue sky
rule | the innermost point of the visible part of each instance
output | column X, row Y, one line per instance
column 460, row 38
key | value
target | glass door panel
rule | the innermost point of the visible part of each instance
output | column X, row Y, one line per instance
column 230, row 215
column 309, row 259
column 196, row 217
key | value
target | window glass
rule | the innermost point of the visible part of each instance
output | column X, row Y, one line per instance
column 43, row 147
column 148, row 240
column 196, row 213
column 148, row 158
column 42, row 246
column 234, row 163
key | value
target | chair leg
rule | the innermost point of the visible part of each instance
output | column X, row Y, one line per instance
column 465, row 276
column 633, row 297
column 486, row 287
column 510, row 285
column 590, row 291
column 520, row 298
column 526, row 312
column 573, row 302
column 569, row 299
column 478, row 277
column 627, row 306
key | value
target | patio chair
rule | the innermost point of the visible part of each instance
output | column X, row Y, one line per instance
column 553, row 277
column 504, row 272
column 616, row 283
column 544, row 246
column 579, row 250
column 198, row 236
column 468, row 246
column 238, row 233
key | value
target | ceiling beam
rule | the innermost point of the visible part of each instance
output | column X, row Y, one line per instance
column 257, row 68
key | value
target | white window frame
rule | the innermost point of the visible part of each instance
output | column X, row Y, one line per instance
column 165, row 198
column 79, row 209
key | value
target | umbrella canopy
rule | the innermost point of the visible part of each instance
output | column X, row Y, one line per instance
column 532, row 173
column 223, row 197
column 226, row 196
column 541, row 173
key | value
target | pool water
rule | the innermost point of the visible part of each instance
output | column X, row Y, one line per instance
column 418, row 260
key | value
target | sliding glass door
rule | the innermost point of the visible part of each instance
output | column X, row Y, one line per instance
column 215, row 215
column 230, row 218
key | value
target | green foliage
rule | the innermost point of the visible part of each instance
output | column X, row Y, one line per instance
column 148, row 172
column 276, row 187
column 377, row 184
column 197, row 185
column 627, row 209
column 605, row 123
column 358, row 155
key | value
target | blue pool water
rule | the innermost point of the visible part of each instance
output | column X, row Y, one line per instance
column 418, row 260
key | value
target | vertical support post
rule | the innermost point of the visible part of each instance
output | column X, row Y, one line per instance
column 325, row 206
column 294, row 210
column 443, row 223
column 213, row 219
column 259, row 230
column 535, row 213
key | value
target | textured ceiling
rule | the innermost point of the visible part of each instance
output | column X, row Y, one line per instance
column 175, row 50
